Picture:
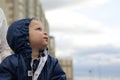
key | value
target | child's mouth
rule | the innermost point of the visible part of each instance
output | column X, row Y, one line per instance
column 46, row 38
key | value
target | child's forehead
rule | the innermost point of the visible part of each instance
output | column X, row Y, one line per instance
column 36, row 23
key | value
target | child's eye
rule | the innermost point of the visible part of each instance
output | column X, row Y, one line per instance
column 38, row 29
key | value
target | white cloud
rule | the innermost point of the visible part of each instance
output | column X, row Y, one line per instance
column 85, row 4
column 53, row 4
column 74, row 30
column 70, row 4
column 68, row 20
column 94, row 3
column 64, row 52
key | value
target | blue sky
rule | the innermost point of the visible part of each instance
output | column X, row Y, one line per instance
column 88, row 32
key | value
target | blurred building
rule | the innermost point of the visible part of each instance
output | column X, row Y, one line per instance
column 67, row 65
column 0, row 46
column 52, row 45
column 17, row 9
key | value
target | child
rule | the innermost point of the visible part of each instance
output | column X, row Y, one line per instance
column 31, row 61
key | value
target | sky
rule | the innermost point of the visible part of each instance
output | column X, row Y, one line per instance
column 88, row 32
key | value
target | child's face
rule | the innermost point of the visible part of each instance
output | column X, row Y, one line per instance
column 37, row 36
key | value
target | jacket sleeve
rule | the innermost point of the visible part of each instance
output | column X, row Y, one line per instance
column 58, row 73
column 6, row 70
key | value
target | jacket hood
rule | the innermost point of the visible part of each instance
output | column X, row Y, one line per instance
column 18, row 36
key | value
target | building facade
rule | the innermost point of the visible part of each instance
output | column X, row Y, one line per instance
column 67, row 65
column 18, row 9
column 52, row 45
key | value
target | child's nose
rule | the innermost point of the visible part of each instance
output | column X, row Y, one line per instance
column 45, row 33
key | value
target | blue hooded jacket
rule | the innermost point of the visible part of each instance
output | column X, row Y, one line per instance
column 16, row 66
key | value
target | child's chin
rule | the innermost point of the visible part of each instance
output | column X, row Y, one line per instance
column 45, row 45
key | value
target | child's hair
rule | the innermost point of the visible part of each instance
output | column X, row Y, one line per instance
column 35, row 18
